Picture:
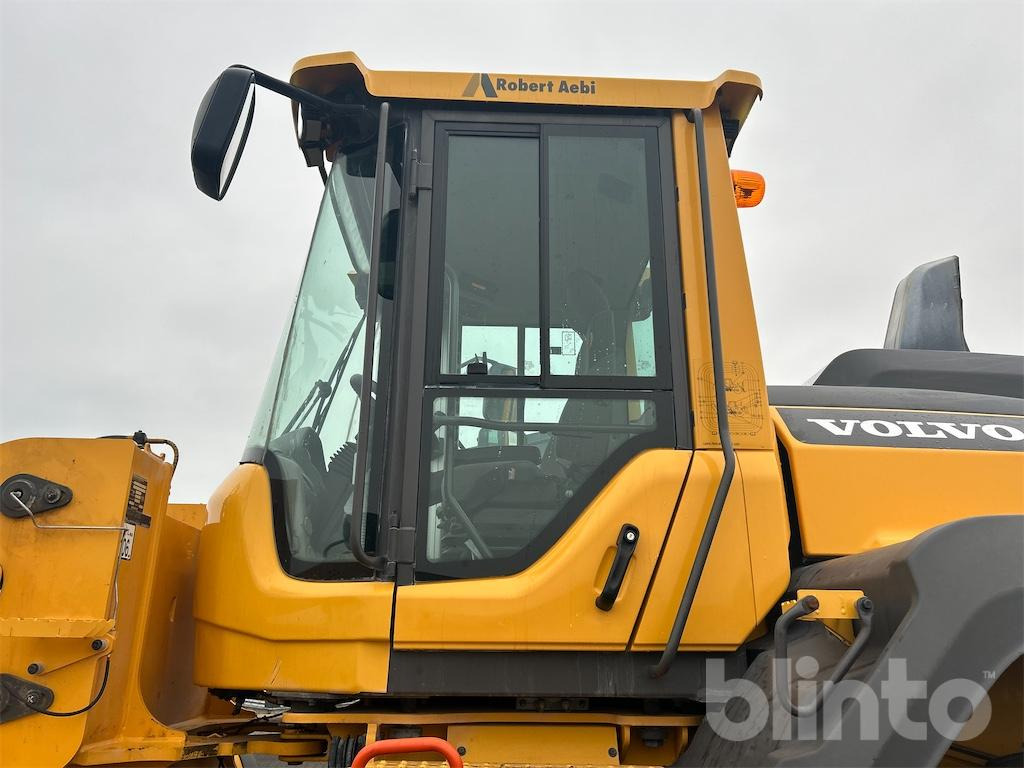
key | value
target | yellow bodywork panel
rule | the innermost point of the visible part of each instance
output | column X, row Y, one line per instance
column 550, row 605
column 854, row 498
column 327, row 72
column 767, row 526
column 533, row 744
column 166, row 672
column 746, row 391
column 723, row 613
column 123, row 722
column 258, row 628
column 37, row 740
column 61, row 583
column 97, row 473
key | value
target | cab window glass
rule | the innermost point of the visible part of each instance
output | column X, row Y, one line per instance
column 504, row 469
column 491, row 253
column 548, row 311
column 599, row 250
column 592, row 257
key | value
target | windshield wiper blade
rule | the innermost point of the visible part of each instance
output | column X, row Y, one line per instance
column 321, row 394
column 319, row 390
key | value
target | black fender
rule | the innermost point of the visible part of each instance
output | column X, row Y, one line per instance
column 949, row 604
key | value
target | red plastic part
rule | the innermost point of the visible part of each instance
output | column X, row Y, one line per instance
column 402, row 746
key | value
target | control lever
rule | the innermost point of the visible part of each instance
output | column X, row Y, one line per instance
column 628, row 536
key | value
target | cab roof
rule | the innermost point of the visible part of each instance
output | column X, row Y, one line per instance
column 330, row 72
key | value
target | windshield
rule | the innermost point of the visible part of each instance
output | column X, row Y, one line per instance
column 306, row 431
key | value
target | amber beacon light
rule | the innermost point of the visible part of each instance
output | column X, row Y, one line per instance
column 748, row 187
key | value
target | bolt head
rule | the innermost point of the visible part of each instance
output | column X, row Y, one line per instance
column 34, row 698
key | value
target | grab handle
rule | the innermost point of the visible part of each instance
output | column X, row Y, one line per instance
column 402, row 746
column 801, row 608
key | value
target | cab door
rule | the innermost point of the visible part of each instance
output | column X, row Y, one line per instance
column 547, row 425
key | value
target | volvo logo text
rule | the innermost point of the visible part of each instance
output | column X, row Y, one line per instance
column 941, row 430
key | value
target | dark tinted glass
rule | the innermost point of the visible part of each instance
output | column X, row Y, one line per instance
column 503, row 468
column 599, row 241
column 491, row 252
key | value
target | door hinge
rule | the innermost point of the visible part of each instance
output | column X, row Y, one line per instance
column 402, row 545
column 420, row 175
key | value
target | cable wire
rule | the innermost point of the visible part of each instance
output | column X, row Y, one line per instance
column 50, row 712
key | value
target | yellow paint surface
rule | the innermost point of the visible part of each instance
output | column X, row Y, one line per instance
column 550, row 605
column 855, row 498
column 257, row 627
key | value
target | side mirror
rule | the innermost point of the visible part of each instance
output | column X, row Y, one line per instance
column 928, row 311
column 221, row 128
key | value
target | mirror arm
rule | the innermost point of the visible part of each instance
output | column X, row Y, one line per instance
column 326, row 106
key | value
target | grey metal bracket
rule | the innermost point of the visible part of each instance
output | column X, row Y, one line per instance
column 12, row 689
column 23, row 495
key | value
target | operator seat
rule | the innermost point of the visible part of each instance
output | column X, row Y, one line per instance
column 587, row 311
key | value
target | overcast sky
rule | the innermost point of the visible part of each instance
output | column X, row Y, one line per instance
column 890, row 134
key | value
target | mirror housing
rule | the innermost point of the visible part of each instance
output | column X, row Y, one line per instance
column 221, row 128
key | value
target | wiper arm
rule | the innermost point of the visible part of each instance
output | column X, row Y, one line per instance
column 321, row 394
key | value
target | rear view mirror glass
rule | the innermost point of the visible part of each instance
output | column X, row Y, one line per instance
column 221, row 128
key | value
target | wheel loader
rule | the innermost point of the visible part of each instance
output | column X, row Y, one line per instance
column 517, row 492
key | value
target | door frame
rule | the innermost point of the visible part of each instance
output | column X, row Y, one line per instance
column 407, row 421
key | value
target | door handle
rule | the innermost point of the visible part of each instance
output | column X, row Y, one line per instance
column 625, row 546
